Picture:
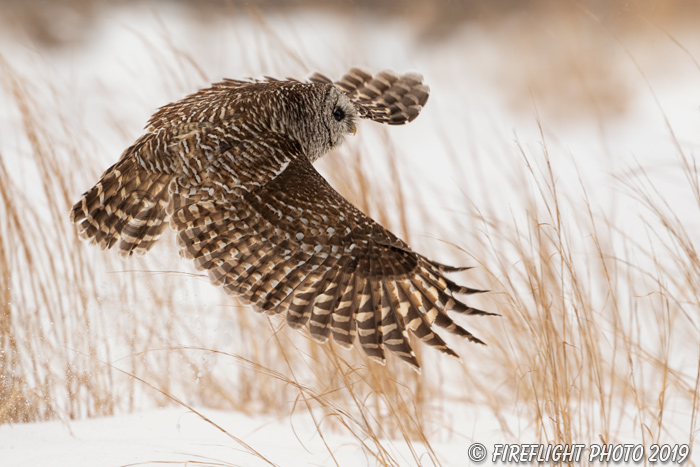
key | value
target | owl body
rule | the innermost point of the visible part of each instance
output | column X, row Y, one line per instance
column 253, row 108
column 229, row 168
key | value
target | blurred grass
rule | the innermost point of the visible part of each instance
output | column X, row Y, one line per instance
column 434, row 21
column 598, row 339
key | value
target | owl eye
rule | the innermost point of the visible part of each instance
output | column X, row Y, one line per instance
column 338, row 114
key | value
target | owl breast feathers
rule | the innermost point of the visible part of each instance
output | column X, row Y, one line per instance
column 230, row 168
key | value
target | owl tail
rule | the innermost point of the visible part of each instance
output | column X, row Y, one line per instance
column 127, row 207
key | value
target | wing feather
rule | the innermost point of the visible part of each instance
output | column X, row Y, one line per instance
column 343, row 317
column 396, row 338
column 385, row 97
column 287, row 242
column 323, row 304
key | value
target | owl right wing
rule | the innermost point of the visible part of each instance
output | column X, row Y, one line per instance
column 386, row 97
column 283, row 239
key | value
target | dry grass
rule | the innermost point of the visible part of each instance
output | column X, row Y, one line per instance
column 598, row 339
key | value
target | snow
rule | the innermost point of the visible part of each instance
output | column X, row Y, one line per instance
column 175, row 436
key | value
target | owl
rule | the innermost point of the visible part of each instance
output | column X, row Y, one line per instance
column 230, row 169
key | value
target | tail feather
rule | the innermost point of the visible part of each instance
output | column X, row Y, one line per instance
column 127, row 208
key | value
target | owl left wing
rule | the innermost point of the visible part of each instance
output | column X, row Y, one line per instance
column 294, row 244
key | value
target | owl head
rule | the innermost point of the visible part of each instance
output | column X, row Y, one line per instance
column 344, row 114
column 318, row 116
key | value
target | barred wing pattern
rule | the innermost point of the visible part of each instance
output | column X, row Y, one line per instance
column 292, row 243
column 386, row 97
column 229, row 167
column 126, row 208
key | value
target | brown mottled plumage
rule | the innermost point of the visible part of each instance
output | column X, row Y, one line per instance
column 230, row 167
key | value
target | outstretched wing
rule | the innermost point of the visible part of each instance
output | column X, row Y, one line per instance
column 386, row 97
column 292, row 243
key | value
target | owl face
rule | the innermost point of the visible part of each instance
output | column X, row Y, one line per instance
column 321, row 118
column 318, row 116
column 339, row 115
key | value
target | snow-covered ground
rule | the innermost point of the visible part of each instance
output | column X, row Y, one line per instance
column 177, row 436
column 170, row 435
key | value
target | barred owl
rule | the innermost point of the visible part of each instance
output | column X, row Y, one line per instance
column 230, row 168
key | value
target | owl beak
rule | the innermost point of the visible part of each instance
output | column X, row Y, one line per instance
column 353, row 129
